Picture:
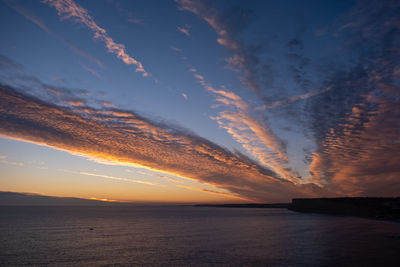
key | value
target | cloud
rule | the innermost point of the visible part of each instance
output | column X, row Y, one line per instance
column 125, row 137
column 106, row 104
column 15, row 163
column 347, row 111
column 6, row 63
column 37, row 199
column 28, row 15
column 68, row 9
column 212, row 192
column 135, row 20
column 361, row 156
column 170, row 179
column 185, row 96
column 356, row 123
column 39, row 22
column 253, row 60
column 76, row 103
column 104, row 199
column 131, row 18
column 242, row 59
column 253, row 65
column 293, row 99
column 175, row 48
column 117, row 178
column 255, row 135
column 92, row 71
column 13, row 74
column 185, row 31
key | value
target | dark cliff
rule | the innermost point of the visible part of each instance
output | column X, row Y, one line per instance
column 378, row 208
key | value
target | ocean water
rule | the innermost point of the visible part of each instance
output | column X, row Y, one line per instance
column 192, row 236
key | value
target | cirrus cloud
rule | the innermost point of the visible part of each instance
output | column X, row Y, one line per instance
column 68, row 9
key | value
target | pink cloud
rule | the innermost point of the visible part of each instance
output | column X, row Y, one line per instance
column 184, row 31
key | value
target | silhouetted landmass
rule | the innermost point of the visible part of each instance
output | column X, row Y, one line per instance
column 27, row 199
column 368, row 207
column 248, row 205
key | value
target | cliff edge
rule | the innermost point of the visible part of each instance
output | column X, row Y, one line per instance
column 368, row 207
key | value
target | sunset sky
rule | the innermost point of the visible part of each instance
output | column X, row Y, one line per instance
column 200, row 101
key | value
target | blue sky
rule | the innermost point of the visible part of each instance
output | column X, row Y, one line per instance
column 230, row 100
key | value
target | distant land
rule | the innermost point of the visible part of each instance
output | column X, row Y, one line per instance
column 28, row 199
column 247, row 205
column 367, row 207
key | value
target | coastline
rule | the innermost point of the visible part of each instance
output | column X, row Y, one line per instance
column 365, row 207
column 379, row 208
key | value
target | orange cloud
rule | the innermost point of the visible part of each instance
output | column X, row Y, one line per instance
column 132, row 139
column 76, row 103
column 105, row 199
column 361, row 158
column 213, row 192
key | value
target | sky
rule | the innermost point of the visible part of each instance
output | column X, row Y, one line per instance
column 200, row 101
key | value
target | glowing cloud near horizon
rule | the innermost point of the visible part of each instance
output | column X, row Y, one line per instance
column 123, row 136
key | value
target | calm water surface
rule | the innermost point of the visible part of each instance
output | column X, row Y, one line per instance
column 182, row 236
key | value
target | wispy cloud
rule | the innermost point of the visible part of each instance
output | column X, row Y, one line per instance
column 6, row 63
column 185, row 31
column 135, row 20
column 91, row 70
column 117, row 178
column 131, row 17
column 246, row 125
column 28, row 15
column 293, row 99
column 39, row 22
column 175, row 48
column 249, row 60
column 68, row 9
column 212, row 192
column 255, row 135
column 240, row 60
column 185, row 96
column 15, row 163
column 170, row 179
column 13, row 74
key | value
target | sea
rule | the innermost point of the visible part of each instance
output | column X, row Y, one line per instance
column 191, row 236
